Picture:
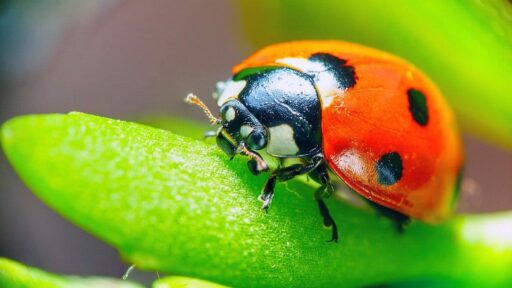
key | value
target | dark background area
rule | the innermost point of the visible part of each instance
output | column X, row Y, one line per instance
column 125, row 59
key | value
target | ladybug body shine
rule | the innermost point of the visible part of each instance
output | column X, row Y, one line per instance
column 373, row 119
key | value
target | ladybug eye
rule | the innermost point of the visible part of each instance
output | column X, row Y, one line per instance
column 257, row 139
column 225, row 145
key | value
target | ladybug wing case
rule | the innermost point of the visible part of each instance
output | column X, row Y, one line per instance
column 393, row 139
column 386, row 130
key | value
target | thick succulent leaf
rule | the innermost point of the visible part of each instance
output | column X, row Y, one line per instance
column 178, row 205
column 16, row 275
column 189, row 128
column 465, row 46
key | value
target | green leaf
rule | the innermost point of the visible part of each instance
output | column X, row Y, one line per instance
column 464, row 46
column 178, row 205
column 189, row 128
column 16, row 275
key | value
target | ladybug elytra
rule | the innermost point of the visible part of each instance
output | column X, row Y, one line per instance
column 373, row 119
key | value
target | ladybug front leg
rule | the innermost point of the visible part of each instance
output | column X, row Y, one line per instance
column 268, row 192
column 285, row 174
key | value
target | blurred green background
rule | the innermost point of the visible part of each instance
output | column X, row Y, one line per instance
column 464, row 46
column 127, row 59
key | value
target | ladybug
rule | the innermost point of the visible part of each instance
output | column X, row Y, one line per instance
column 373, row 119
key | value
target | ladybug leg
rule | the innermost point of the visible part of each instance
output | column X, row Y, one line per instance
column 253, row 166
column 285, row 174
column 400, row 221
column 326, row 189
column 268, row 192
column 328, row 221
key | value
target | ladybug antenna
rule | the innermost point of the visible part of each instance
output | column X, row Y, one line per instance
column 262, row 166
column 192, row 99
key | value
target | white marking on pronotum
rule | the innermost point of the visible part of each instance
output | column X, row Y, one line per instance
column 302, row 64
column 328, row 88
column 326, row 84
column 230, row 114
column 245, row 130
column 230, row 91
column 281, row 141
column 219, row 87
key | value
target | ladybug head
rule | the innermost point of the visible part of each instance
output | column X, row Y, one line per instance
column 240, row 132
column 242, row 126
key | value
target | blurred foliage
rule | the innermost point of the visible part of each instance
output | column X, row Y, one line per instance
column 174, row 204
column 465, row 46
column 183, row 282
column 16, row 275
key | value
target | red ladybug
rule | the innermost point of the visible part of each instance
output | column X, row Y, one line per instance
column 373, row 119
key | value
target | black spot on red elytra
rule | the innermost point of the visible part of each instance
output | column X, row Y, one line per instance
column 389, row 168
column 418, row 106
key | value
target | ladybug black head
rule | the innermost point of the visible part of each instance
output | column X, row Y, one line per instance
column 240, row 126
column 241, row 132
